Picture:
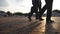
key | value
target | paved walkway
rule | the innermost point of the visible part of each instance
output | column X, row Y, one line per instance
column 21, row 25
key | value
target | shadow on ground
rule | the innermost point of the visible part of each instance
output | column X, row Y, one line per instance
column 27, row 29
column 49, row 29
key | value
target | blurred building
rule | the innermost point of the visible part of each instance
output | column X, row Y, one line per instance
column 56, row 13
column 2, row 13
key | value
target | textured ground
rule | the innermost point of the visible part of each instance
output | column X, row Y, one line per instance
column 21, row 25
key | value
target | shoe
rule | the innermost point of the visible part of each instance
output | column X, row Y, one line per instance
column 41, row 19
column 37, row 18
column 29, row 18
column 49, row 21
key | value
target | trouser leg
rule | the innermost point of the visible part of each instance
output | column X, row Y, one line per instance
column 36, row 12
column 42, row 10
column 36, row 15
column 31, row 13
column 49, row 11
column 34, row 9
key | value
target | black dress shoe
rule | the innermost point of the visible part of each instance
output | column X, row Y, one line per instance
column 37, row 18
column 29, row 18
column 41, row 19
column 49, row 21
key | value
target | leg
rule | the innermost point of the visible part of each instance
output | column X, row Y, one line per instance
column 49, row 10
column 36, row 11
column 41, row 12
column 31, row 13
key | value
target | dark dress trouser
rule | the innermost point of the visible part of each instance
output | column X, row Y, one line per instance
column 34, row 8
column 47, row 6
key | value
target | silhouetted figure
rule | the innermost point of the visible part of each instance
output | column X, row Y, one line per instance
column 34, row 9
column 48, row 6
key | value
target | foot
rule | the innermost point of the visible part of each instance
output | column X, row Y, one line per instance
column 41, row 19
column 37, row 18
column 29, row 18
column 49, row 21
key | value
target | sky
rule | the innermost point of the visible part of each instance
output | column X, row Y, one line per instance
column 23, row 6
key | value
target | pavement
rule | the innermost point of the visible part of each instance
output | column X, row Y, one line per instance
column 21, row 25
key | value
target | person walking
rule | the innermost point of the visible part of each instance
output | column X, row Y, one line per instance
column 34, row 9
column 47, row 6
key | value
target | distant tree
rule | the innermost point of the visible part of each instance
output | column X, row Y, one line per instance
column 58, row 11
column 25, row 14
column 18, row 13
column 9, row 13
